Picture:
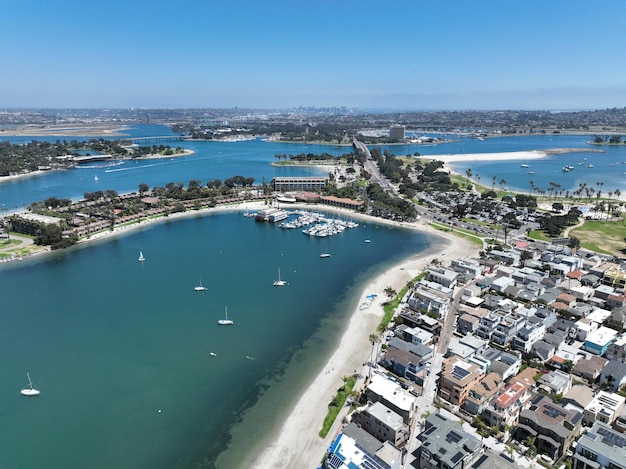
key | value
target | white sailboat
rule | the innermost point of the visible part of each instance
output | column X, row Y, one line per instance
column 279, row 282
column 30, row 390
column 225, row 321
column 325, row 254
column 141, row 258
column 96, row 178
column 200, row 287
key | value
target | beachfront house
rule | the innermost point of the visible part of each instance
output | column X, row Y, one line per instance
column 382, row 423
column 354, row 447
column 388, row 392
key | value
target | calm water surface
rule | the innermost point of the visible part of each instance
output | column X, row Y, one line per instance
column 121, row 349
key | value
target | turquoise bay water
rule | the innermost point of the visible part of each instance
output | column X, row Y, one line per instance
column 111, row 341
column 121, row 349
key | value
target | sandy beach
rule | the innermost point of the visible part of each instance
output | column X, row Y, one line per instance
column 297, row 443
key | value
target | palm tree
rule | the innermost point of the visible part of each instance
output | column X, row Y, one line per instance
column 530, row 442
column 390, row 292
column 468, row 173
column 373, row 340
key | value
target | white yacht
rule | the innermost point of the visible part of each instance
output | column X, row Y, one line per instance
column 141, row 258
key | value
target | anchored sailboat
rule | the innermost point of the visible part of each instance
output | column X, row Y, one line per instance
column 200, row 287
column 30, row 390
column 225, row 321
column 141, row 258
column 279, row 282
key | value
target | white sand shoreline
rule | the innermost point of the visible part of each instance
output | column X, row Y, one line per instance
column 296, row 443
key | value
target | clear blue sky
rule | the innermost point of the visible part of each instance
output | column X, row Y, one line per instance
column 418, row 55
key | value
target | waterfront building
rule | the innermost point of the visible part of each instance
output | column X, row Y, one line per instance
column 354, row 447
column 442, row 276
column 309, row 183
column 390, row 393
column 396, row 132
column 383, row 424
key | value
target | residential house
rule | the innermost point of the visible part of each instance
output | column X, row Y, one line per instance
column 590, row 368
column 487, row 325
column 504, row 409
column 390, row 393
column 555, row 382
column 382, row 423
column 444, row 444
column 543, row 350
column 578, row 397
column 427, row 300
column 598, row 341
column 507, row 328
column 614, row 374
column 617, row 350
column 469, row 319
column 601, row 447
column 456, row 380
column 605, row 407
column 553, row 427
column 482, row 392
column 526, row 336
column 354, row 447
column 495, row 360
column 441, row 275
column 466, row 268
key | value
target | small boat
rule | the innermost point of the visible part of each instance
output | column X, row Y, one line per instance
column 248, row 214
column 30, row 390
column 141, row 258
column 368, row 241
column 325, row 255
column 96, row 178
column 213, row 354
column 225, row 321
column 279, row 282
column 523, row 165
column 589, row 166
column 531, row 172
column 200, row 287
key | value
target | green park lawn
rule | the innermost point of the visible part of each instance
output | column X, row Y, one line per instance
column 605, row 237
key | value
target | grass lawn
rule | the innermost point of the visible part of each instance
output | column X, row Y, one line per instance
column 460, row 232
column 539, row 235
column 605, row 237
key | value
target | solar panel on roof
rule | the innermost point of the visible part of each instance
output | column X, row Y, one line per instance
column 610, row 438
column 457, row 457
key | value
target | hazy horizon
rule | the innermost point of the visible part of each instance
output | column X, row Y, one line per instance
column 406, row 55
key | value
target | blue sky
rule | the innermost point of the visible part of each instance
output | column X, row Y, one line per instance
column 414, row 55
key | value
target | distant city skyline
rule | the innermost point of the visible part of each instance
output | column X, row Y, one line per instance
column 405, row 55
